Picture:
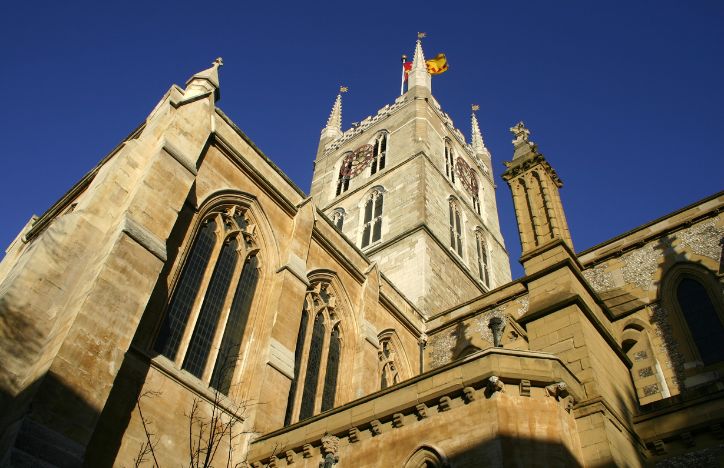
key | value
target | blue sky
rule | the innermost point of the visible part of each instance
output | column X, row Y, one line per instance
column 625, row 99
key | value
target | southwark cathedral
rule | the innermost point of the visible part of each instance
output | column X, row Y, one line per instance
column 186, row 304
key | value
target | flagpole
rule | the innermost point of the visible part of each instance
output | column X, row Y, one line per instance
column 402, row 79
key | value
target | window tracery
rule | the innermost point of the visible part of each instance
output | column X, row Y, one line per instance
column 317, row 355
column 483, row 266
column 389, row 374
column 449, row 162
column 207, row 314
column 693, row 296
column 372, row 221
column 344, row 174
column 380, row 153
column 456, row 230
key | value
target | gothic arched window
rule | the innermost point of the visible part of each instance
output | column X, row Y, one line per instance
column 456, row 228
column 389, row 374
column 317, row 356
column 372, row 221
column 210, row 305
column 475, row 190
column 379, row 154
column 426, row 457
column 338, row 216
column 705, row 324
column 449, row 161
column 344, row 174
column 483, row 266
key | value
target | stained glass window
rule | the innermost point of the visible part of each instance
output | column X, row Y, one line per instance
column 298, row 350
column 186, row 291
column 230, row 285
column 200, row 343
column 330, row 378
column 312, row 375
column 235, row 325
column 704, row 322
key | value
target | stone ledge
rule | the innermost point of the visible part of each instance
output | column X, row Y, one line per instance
column 520, row 374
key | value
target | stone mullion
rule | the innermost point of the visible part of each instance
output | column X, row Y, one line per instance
column 301, row 377
column 225, row 310
column 198, row 302
column 328, row 327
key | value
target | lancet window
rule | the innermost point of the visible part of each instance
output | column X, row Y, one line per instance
column 379, row 154
column 344, row 174
column 205, row 319
column 483, row 267
column 317, row 356
column 389, row 374
column 338, row 216
column 372, row 221
column 475, row 191
column 704, row 322
column 449, row 162
column 456, row 229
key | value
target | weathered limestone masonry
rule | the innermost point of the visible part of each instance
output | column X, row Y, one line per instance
column 71, row 302
column 186, row 284
column 419, row 180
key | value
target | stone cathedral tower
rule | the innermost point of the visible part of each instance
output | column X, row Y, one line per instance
column 407, row 189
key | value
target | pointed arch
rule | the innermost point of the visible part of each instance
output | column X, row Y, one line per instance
column 321, row 349
column 394, row 364
column 343, row 175
column 372, row 219
column 427, row 457
column 483, row 251
column 379, row 154
column 456, row 225
column 216, row 287
column 646, row 372
column 693, row 297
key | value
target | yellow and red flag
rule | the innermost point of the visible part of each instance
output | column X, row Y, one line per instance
column 406, row 66
column 437, row 65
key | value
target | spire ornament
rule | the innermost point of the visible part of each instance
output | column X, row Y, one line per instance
column 205, row 81
column 475, row 136
column 521, row 144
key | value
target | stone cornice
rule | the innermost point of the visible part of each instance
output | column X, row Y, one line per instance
column 429, row 394
column 518, row 167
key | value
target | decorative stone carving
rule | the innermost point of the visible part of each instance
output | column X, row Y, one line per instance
column 421, row 411
column 599, row 278
column 557, row 390
column 353, row 434
column 493, row 385
column 330, row 449
column 445, row 403
column 481, row 324
column 469, row 394
column 257, row 464
column 640, row 265
column 273, row 462
column 497, row 325
column 525, row 388
column 376, row 427
column 290, row 455
column 570, row 403
column 398, row 420
column 307, row 450
column 703, row 238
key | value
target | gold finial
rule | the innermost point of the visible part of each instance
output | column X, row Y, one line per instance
column 421, row 35
column 475, row 107
column 218, row 62
column 404, row 58
column 343, row 89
